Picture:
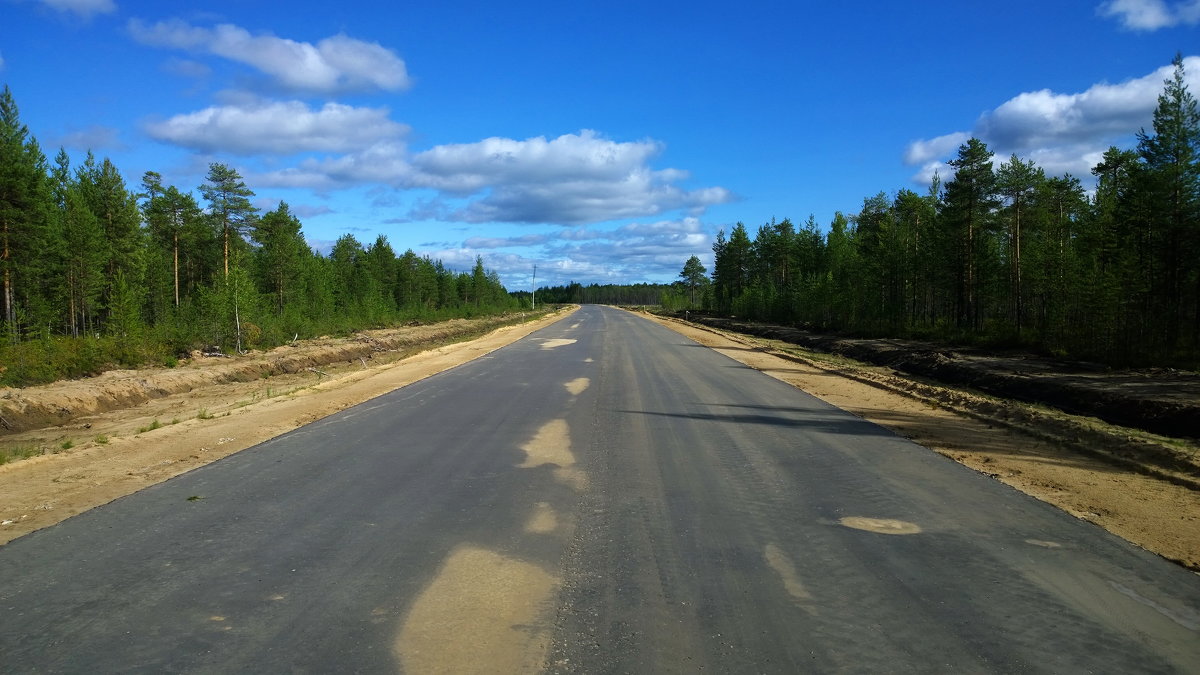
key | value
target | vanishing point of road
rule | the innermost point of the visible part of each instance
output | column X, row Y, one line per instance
column 603, row 496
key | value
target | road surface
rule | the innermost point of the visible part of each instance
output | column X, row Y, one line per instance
column 601, row 496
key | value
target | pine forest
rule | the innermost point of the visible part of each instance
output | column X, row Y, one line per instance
column 94, row 274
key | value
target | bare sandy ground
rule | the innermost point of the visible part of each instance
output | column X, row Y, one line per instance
column 1158, row 515
column 227, row 405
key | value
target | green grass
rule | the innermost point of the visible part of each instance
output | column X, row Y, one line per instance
column 67, row 444
column 16, row 452
column 102, row 439
column 204, row 414
column 150, row 427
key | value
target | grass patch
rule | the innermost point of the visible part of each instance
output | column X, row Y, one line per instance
column 16, row 452
column 204, row 414
column 67, row 444
column 150, row 427
column 101, row 439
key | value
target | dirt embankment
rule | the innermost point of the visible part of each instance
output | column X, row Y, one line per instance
column 60, row 403
column 1164, row 403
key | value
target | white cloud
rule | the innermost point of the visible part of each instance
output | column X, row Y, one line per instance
column 1061, row 132
column 1151, row 15
column 467, row 168
column 637, row 252
column 640, row 250
column 335, row 64
column 282, row 127
column 573, row 179
column 84, row 8
column 919, row 152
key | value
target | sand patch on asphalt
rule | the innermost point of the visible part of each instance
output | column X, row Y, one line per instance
column 577, row 386
column 783, row 566
column 557, row 342
column 483, row 613
column 543, row 520
column 551, row 445
column 880, row 525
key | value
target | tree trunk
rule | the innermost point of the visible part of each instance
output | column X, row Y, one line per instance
column 176, row 252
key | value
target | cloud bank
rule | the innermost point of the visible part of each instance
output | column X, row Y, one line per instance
column 1151, row 15
column 1061, row 132
column 337, row 64
column 279, row 127
column 573, row 179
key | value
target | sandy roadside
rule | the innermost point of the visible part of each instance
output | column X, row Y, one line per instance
column 1159, row 516
column 123, row 456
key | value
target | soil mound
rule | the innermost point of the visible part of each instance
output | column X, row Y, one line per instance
column 1161, row 401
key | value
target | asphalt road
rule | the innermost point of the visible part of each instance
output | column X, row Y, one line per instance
column 602, row 496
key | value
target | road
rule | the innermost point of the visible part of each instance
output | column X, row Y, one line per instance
column 601, row 496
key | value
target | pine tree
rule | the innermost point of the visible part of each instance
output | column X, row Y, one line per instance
column 25, row 203
column 1017, row 182
column 693, row 278
column 229, row 204
column 281, row 250
column 969, row 203
column 1172, row 157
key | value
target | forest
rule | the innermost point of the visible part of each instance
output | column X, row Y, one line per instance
column 94, row 274
column 1000, row 254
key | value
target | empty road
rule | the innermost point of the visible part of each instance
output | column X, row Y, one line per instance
column 601, row 496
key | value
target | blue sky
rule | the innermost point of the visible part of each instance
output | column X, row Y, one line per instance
column 603, row 142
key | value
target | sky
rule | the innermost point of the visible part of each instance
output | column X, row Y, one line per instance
column 600, row 142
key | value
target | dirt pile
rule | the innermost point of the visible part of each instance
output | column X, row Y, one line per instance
column 62, row 402
column 1160, row 401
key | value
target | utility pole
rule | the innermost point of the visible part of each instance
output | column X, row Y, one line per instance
column 533, row 298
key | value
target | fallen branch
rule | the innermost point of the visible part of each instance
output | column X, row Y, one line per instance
column 318, row 372
column 5, row 423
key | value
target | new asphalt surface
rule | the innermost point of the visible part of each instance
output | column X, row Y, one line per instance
column 601, row 496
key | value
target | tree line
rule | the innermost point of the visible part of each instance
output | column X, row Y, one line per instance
column 1000, row 254
column 93, row 273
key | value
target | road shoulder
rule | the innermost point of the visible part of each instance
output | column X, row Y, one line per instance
column 1158, row 515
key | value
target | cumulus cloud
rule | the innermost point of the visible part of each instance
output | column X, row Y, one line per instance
column 1062, row 132
column 637, row 252
column 1151, row 15
column 654, row 250
column 82, row 8
column 278, row 127
column 334, row 65
column 573, row 179
column 920, row 152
